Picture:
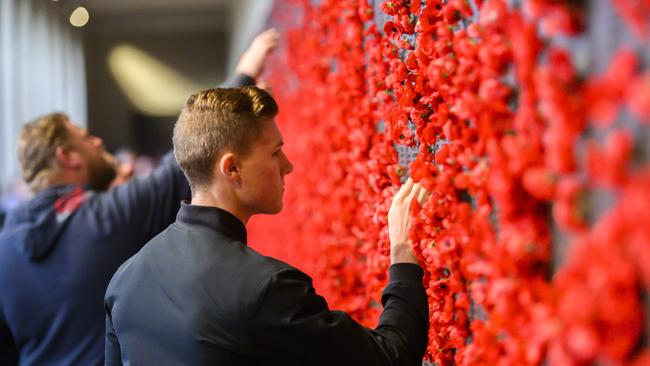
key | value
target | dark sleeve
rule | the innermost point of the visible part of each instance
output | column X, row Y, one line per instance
column 406, row 310
column 238, row 80
column 294, row 326
column 145, row 206
column 113, row 352
column 8, row 351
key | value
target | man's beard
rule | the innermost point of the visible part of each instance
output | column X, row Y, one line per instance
column 101, row 171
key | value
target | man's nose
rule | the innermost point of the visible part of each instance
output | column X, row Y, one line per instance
column 97, row 141
column 288, row 168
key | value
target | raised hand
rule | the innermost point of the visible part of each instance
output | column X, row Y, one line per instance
column 399, row 221
column 252, row 60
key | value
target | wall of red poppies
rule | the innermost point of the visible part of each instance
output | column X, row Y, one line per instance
column 536, row 240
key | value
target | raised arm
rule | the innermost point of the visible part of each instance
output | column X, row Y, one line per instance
column 251, row 63
column 294, row 326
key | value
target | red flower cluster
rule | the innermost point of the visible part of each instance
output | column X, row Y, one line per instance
column 513, row 142
column 636, row 14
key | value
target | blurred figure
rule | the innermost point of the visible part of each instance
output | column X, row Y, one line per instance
column 59, row 250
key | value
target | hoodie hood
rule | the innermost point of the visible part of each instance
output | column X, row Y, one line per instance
column 34, row 227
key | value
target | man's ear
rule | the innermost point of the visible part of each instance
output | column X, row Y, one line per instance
column 68, row 158
column 229, row 168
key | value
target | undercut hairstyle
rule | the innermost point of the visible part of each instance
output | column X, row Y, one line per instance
column 37, row 148
column 215, row 120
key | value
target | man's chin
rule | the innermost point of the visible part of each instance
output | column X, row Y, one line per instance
column 272, row 210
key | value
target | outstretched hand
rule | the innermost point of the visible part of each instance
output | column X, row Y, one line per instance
column 399, row 221
column 252, row 60
column 124, row 173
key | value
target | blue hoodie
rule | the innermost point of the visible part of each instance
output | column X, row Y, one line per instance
column 57, row 254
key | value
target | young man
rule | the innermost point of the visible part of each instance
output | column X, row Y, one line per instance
column 198, row 295
column 59, row 250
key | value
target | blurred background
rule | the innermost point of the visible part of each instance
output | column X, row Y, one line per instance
column 121, row 68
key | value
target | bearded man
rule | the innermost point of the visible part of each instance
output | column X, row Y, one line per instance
column 59, row 250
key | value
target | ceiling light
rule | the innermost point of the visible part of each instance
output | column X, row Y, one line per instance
column 79, row 17
column 155, row 88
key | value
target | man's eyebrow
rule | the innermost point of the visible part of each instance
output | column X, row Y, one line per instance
column 280, row 143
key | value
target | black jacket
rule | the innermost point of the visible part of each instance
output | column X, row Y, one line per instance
column 58, row 252
column 198, row 295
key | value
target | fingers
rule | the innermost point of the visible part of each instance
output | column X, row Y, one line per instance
column 423, row 196
column 268, row 39
column 270, row 33
column 252, row 60
column 411, row 190
column 405, row 189
column 415, row 192
column 419, row 194
column 123, row 174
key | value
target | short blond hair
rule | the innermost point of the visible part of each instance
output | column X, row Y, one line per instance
column 214, row 120
column 37, row 148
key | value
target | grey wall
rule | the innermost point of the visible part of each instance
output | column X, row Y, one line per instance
column 249, row 17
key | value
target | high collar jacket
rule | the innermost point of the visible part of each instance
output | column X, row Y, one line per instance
column 198, row 295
